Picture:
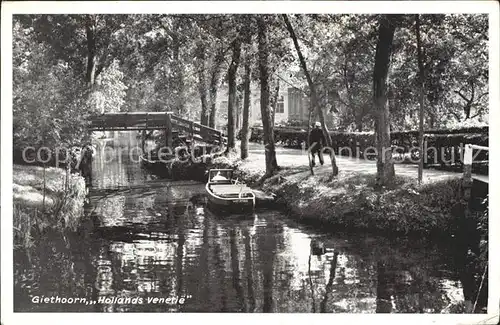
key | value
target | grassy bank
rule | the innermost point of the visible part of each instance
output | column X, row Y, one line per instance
column 351, row 202
column 45, row 200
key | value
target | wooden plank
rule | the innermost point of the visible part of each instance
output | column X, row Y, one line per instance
column 176, row 118
column 182, row 127
column 468, row 155
column 209, row 129
column 473, row 146
column 481, row 178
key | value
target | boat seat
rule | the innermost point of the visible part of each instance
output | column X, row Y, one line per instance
column 230, row 189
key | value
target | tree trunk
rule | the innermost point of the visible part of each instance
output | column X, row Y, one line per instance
column 273, row 111
column 432, row 120
column 468, row 106
column 385, row 163
column 313, row 96
column 237, row 119
column 213, row 107
column 359, row 126
column 204, row 107
column 265, row 108
column 214, row 85
column 90, row 25
column 275, row 101
column 422, row 98
column 231, row 102
column 245, row 134
column 178, row 70
column 468, row 101
column 359, row 122
column 309, row 140
column 202, row 85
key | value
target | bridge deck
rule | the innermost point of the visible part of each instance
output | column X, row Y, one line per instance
column 137, row 121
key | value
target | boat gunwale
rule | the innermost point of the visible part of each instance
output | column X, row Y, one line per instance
column 207, row 187
column 228, row 200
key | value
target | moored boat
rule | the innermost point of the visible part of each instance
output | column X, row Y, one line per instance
column 227, row 193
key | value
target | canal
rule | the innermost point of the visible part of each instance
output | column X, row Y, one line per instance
column 145, row 238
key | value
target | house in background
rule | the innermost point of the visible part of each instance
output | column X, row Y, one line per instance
column 293, row 105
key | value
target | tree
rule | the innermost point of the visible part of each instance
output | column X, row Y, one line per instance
column 422, row 98
column 265, row 108
column 245, row 134
column 385, row 163
column 51, row 96
column 86, row 42
column 313, row 95
column 216, row 28
column 351, row 51
column 274, row 100
column 145, row 62
column 231, row 104
column 90, row 31
column 470, row 68
column 215, row 76
column 248, row 54
column 177, row 66
column 209, row 59
column 454, row 50
column 202, row 86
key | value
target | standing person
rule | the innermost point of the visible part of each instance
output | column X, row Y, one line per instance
column 316, row 142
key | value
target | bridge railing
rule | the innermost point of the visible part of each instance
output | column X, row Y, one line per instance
column 130, row 121
column 193, row 128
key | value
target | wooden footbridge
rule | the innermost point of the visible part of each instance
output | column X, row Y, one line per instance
column 144, row 121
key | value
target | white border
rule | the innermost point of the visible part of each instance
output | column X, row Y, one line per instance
column 360, row 7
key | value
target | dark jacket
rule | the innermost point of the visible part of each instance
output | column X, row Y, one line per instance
column 317, row 136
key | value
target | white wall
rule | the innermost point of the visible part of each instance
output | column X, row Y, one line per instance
column 255, row 114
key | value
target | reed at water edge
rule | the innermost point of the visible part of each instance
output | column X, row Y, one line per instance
column 45, row 198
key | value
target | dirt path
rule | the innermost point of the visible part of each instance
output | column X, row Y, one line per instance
column 298, row 158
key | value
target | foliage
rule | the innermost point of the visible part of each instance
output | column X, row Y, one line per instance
column 109, row 93
column 67, row 67
column 41, row 94
column 155, row 63
column 51, row 99
column 451, row 45
column 341, row 50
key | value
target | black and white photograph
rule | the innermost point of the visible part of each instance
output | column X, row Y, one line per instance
column 224, row 159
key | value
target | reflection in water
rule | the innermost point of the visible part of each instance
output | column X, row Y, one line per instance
column 329, row 285
column 384, row 283
column 156, row 239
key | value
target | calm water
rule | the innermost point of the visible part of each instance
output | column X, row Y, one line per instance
column 150, row 238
